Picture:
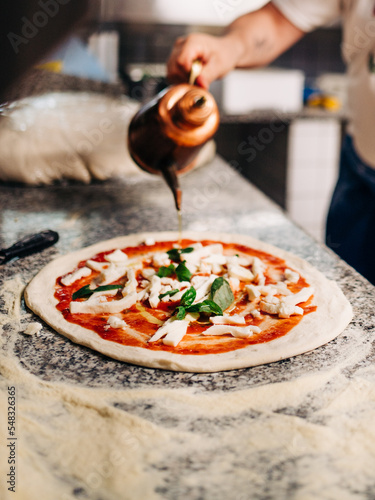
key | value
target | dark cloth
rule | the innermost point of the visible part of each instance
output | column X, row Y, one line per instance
column 29, row 29
column 351, row 218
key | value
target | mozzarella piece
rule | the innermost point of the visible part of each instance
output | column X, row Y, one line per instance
column 287, row 306
column 176, row 332
column 161, row 259
column 165, row 289
column 239, row 272
column 198, row 280
column 155, row 291
column 180, row 285
column 196, row 246
column 98, row 306
column 253, row 291
column 258, row 269
column 171, row 284
column 96, row 266
column 234, row 283
column 215, row 258
column 243, row 332
column 116, row 256
column 191, row 317
column 255, row 313
column 278, row 289
column 143, row 294
column 236, row 260
column 135, row 262
column 111, row 274
column 204, row 288
column 149, row 241
column 173, row 330
column 291, row 276
column 178, row 296
column 170, row 281
column 271, row 299
column 76, row 275
column 115, row 322
column 203, row 268
column 193, row 268
column 148, row 273
column 131, row 284
column 193, row 258
column 286, row 310
column 228, row 320
column 301, row 296
column 281, row 309
column 212, row 263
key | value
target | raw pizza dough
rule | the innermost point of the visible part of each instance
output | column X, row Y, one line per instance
column 332, row 315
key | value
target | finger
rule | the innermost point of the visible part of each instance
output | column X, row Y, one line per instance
column 210, row 72
column 191, row 50
column 175, row 73
column 201, row 81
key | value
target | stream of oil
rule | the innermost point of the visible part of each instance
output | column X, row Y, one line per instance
column 179, row 221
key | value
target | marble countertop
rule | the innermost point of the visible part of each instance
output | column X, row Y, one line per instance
column 301, row 428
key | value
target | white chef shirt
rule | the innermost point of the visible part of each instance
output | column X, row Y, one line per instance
column 358, row 49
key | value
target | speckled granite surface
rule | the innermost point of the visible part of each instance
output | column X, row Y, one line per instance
column 215, row 197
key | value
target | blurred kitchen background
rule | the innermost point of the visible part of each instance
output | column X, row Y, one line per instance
column 281, row 127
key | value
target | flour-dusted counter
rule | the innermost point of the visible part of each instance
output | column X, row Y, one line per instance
column 89, row 427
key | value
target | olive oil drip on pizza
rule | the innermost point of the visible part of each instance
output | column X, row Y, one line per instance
column 179, row 221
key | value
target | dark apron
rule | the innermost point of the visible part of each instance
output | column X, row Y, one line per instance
column 351, row 218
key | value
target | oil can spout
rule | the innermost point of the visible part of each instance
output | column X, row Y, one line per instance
column 166, row 135
column 169, row 172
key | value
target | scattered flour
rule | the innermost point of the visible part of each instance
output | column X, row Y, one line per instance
column 315, row 430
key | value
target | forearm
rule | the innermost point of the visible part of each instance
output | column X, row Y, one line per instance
column 257, row 38
column 252, row 40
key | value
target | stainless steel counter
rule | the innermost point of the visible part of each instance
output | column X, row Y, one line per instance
column 302, row 428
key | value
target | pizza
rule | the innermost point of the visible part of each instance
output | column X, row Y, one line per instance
column 204, row 303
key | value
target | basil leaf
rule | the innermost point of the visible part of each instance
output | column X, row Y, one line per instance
column 166, row 271
column 206, row 307
column 170, row 292
column 221, row 293
column 210, row 307
column 188, row 297
column 187, row 250
column 182, row 272
column 180, row 312
column 86, row 291
column 174, row 254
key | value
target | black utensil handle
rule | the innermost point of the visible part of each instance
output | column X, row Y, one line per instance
column 29, row 245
